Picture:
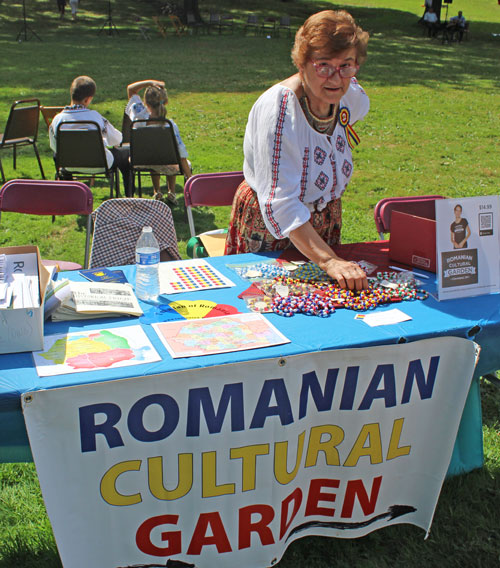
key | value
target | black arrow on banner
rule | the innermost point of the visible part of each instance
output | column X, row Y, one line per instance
column 170, row 564
column 393, row 512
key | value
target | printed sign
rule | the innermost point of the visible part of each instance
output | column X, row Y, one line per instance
column 227, row 465
column 467, row 244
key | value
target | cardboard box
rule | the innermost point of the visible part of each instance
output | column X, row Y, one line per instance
column 413, row 241
column 22, row 329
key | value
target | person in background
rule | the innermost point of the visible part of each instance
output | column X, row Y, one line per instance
column 431, row 22
column 297, row 150
column 154, row 106
column 61, row 6
column 456, row 25
column 82, row 92
column 74, row 8
column 427, row 7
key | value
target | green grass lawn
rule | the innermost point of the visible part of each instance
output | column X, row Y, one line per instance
column 433, row 127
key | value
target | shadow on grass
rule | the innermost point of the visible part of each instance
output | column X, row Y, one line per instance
column 395, row 36
column 22, row 557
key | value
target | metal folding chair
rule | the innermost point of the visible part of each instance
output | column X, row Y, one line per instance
column 46, row 197
column 80, row 151
column 179, row 27
column 284, row 24
column 213, row 21
column 48, row 113
column 268, row 26
column 126, row 124
column 421, row 205
column 153, row 149
column 208, row 190
column 21, row 130
column 118, row 224
column 226, row 23
column 252, row 23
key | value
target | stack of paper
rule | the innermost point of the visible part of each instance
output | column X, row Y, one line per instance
column 89, row 300
column 19, row 287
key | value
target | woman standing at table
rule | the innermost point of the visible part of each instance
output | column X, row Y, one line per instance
column 297, row 149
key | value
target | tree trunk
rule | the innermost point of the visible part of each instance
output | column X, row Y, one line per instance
column 191, row 7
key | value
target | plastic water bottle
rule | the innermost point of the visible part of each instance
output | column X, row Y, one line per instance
column 147, row 259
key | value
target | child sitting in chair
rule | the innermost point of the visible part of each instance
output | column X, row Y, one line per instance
column 155, row 100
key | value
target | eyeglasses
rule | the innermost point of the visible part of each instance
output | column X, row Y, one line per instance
column 325, row 70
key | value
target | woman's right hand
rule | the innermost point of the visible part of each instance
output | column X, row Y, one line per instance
column 348, row 274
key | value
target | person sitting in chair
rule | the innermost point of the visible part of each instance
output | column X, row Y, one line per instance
column 153, row 106
column 431, row 22
column 457, row 25
column 82, row 92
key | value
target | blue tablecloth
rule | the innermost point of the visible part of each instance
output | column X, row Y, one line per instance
column 475, row 318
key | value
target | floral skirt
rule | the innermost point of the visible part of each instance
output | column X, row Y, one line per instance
column 248, row 233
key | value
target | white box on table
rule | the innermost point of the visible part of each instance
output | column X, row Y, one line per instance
column 22, row 329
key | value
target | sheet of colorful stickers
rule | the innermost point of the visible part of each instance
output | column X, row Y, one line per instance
column 288, row 287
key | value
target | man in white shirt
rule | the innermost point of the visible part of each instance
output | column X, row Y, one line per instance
column 82, row 92
column 431, row 21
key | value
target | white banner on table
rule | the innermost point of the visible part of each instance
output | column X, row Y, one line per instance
column 226, row 466
column 467, row 246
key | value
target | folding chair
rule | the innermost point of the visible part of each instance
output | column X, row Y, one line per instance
column 226, row 22
column 126, row 124
column 284, row 24
column 268, row 26
column 421, row 205
column 194, row 24
column 153, row 149
column 179, row 27
column 161, row 28
column 46, row 197
column 213, row 21
column 21, row 130
column 252, row 23
column 210, row 190
column 80, row 151
column 118, row 224
column 48, row 113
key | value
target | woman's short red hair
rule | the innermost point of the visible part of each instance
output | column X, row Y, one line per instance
column 329, row 32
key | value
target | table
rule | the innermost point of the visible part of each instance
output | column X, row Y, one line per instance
column 476, row 318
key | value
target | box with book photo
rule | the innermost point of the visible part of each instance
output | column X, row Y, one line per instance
column 23, row 280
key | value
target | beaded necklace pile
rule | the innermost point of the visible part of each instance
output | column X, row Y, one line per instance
column 310, row 291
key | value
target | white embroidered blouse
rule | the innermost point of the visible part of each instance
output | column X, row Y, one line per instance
column 292, row 167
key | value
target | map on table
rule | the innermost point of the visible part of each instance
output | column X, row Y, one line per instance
column 94, row 350
column 189, row 276
column 237, row 332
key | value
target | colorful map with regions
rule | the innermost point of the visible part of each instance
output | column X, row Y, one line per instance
column 92, row 350
column 235, row 332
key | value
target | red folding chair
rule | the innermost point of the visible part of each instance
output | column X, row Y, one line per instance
column 210, row 190
column 46, row 197
column 420, row 205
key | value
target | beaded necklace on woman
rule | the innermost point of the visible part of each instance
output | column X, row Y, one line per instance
column 323, row 125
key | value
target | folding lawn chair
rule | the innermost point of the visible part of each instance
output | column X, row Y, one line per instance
column 21, row 130
column 252, row 23
column 284, row 24
column 46, row 197
column 210, row 190
column 118, row 224
column 48, row 113
column 80, row 151
column 153, row 148
column 420, row 205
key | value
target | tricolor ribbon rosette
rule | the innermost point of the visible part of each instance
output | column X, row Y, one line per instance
column 344, row 118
